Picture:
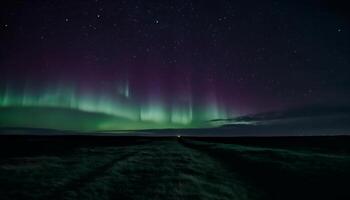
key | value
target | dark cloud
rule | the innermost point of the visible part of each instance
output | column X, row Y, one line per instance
column 302, row 112
column 308, row 120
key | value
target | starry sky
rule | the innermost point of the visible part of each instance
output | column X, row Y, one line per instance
column 150, row 64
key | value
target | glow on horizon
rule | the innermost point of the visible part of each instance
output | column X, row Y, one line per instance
column 152, row 109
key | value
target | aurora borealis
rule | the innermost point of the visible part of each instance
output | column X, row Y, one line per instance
column 124, row 65
column 118, row 106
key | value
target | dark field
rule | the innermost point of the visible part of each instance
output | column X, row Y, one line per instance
column 99, row 167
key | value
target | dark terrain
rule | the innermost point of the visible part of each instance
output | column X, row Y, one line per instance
column 135, row 167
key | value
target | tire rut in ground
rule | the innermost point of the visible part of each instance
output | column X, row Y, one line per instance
column 185, row 173
column 240, row 187
column 86, row 178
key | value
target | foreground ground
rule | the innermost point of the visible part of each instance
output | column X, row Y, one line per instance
column 174, row 168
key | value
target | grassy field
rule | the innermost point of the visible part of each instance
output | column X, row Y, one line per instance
column 171, row 168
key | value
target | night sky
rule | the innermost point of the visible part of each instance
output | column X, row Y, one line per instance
column 162, row 64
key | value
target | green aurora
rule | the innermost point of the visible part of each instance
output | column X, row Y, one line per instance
column 64, row 107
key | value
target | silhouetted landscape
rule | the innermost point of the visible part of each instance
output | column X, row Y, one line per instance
column 136, row 167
